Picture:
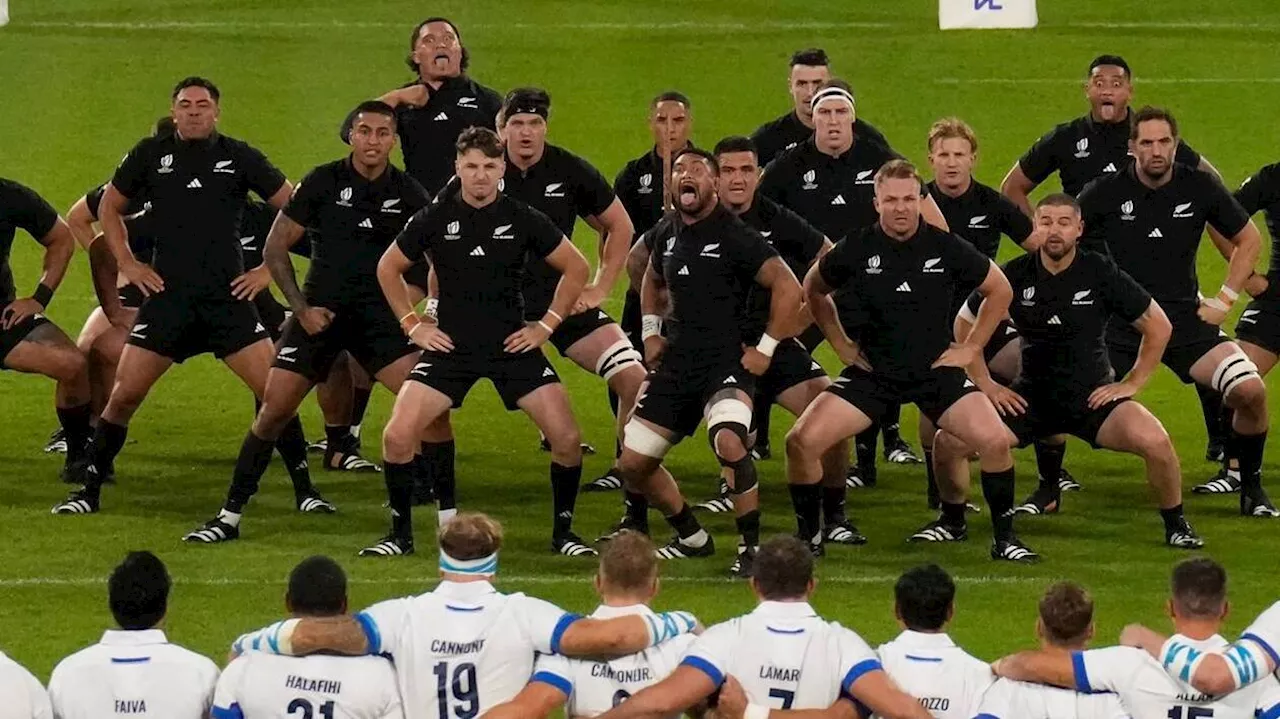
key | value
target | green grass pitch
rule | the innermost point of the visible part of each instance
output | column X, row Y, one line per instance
column 82, row 80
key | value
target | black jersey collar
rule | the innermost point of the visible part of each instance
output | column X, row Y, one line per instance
column 846, row 157
column 203, row 143
column 349, row 167
column 1102, row 127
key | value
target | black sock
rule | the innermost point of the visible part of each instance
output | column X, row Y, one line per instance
column 1248, row 452
column 833, row 504
column 864, row 447
column 934, row 498
column 762, row 420
column 1211, row 408
column 684, row 522
column 1173, row 519
column 438, row 461
column 108, row 440
column 998, row 488
column 953, row 514
column 806, row 499
column 749, row 528
column 564, row 497
column 636, row 506
column 1049, row 462
column 75, row 424
column 889, row 423
column 338, row 436
column 359, row 403
column 614, row 402
column 292, row 445
column 255, row 455
column 399, row 479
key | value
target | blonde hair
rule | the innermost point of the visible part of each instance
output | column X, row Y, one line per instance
column 952, row 127
column 471, row 535
column 628, row 562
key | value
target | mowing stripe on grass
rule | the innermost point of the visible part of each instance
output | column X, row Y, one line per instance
column 16, row 582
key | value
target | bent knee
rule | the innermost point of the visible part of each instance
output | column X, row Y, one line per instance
column 399, row 443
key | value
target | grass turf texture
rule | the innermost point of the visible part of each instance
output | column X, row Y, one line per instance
column 84, row 81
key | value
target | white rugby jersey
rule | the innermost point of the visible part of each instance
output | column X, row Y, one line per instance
column 785, row 656
column 464, row 647
column 1007, row 699
column 270, row 686
column 1265, row 630
column 22, row 696
column 595, row 687
column 947, row 680
column 1147, row 692
column 133, row 673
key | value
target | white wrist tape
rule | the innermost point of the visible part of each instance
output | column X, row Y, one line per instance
column 433, row 307
column 650, row 326
column 766, row 345
column 755, row 711
column 1217, row 304
column 1180, row 659
column 669, row 625
column 1229, row 293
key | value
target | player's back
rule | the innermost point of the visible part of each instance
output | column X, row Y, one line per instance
column 1007, row 699
column 1147, row 692
column 785, row 656
column 270, row 686
column 23, row 695
column 947, row 680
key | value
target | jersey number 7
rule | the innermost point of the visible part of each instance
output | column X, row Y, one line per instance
column 786, row 695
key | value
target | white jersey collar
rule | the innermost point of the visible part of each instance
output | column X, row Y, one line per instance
column 133, row 638
column 924, row 640
column 785, row 610
column 464, row 590
column 606, row 612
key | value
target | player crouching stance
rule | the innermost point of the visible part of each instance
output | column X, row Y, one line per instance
column 1065, row 298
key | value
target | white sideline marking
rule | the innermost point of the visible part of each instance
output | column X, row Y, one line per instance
column 1080, row 80
column 424, row 582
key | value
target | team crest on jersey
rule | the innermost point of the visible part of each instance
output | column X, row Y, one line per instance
column 979, row 222
column 873, row 265
column 810, row 180
column 932, row 266
column 344, row 197
column 554, row 189
column 503, row 232
column 1028, row 297
column 452, row 230
column 646, row 184
column 1082, row 148
column 865, row 177
column 1082, row 298
column 389, row 206
column 166, row 165
column 1126, row 211
column 224, row 167
column 467, row 102
column 1183, row 209
column 671, row 245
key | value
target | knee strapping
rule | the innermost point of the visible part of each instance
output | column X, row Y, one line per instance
column 732, row 415
column 744, row 474
column 620, row 355
column 639, row 438
column 1234, row 370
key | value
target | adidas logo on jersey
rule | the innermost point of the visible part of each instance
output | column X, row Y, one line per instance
column 838, row 200
column 286, row 354
column 553, row 190
column 931, row 266
column 1183, row 210
column 683, row 270
column 978, row 222
column 1111, row 167
column 969, row 383
column 478, row 251
column 730, row 380
column 194, row 184
column 815, row 366
column 1156, row 233
column 503, row 232
column 548, row 372
column 224, row 167
column 366, row 224
column 710, row 250
column 904, row 287
column 1054, row 320
column 139, row 332
column 257, row 327
column 1082, row 298
column 441, row 117
column 389, row 206
column 864, row 177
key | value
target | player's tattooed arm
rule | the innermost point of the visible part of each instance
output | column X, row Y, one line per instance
column 102, row 270
column 637, row 262
column 786, row 299
column 302, row 637
column 284, row 234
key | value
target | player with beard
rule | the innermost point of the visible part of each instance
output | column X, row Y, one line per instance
column 1150, row 218
column 701, row 369
column 810, row 68
column 901, row 274
column 1098, row 144
column 478, row 242
column 197, row 180
column 1065, row 299
column 438, row 105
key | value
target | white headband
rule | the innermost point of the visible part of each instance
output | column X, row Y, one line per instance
column 484, row 566
column 831, row 93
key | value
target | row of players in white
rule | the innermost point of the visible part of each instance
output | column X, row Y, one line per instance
column 466, row 648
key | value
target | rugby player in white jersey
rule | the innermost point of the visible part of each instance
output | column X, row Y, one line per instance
column 1198, row 607
column 1065, row 625
column 783, row 653
column 24, row 695
column 134, row 670
column 626, row 582
column 265, row 686
column 923, row 660
column 465, row 647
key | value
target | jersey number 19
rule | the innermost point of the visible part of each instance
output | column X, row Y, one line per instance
column 466, row 695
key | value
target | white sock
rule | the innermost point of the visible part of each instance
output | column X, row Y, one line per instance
column 444, row 515
column 1233, row 474
column 697, row 540
column 355, row 431
column 229, row 517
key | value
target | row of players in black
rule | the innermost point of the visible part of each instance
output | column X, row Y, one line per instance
column 675, row 104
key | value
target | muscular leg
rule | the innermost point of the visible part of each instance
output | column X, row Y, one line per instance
column 1132, row 428
column 137, row 373
column 48, row 351
column 252, row 365
column 974, row 421
column 104, row 356
column 644, row 445
column 548, row 407
column 825, row 423
column 835, row 464
column 1228, row 370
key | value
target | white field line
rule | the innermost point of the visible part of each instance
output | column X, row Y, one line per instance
column 16, row 582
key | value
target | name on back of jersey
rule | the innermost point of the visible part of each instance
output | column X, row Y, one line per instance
column 308, row 684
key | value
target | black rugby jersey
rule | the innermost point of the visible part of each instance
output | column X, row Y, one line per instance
column 21, row 208
column 776, row 136
column 428, row 134
column 1262, row 192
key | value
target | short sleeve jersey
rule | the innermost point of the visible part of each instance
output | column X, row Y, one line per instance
column 479, row 255
column 639, row 188
column 1154, row 234
column 428, row 133
column 24, row 696
column 785, row 656
column 947, row 680
column 1147, row 692
column 776, row 136
column 352, row 221
column 904, row 291
column 1063, row 319
column 1082, row 149
column 981, row 215
column 796, row 242
column 133, row 672
column 1265, row 630
column 462, row 648
column 20, row 209
column 1261, row 192
column 594, row 687
column 270, row 685
column 709, row 268
column 1019, row 700
column 197, row 191
column 137, row 222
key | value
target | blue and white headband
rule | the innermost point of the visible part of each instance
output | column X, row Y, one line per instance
column 831, row 93
column 481, row 567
